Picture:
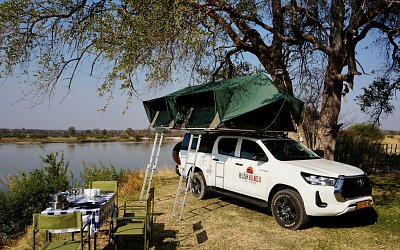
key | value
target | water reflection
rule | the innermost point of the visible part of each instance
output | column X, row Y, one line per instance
column 129, row 155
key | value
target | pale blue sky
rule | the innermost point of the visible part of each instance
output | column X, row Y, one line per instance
column 80, row 107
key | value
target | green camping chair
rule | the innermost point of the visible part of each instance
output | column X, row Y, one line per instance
column 106, row 187
column 59, row 224
column 137, row 220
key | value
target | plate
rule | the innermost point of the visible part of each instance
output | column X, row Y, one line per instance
column 88, row 205
column 100, row 200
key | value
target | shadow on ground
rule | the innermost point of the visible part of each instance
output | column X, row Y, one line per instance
column 164, row 238
column 361, row 218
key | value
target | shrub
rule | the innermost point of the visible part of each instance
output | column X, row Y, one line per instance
column 124, row 136
column 81, row 138
column 138, row 137
column 29, row 193
column 365, row 133
column 93, row 173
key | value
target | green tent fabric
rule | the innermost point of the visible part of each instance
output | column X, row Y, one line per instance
column 252, row 103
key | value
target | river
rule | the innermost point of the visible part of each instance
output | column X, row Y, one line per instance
column 128, row 155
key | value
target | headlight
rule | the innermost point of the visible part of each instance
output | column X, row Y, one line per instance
column 318, row 180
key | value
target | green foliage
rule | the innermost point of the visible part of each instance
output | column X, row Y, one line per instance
column 365, row 132
column 240, row 69
column 81, row 138
column 71, row 131
column 138, row 137
column 129, row 131
column 361, row 146
column 377, row 97
column 29, row 193
column 38, row 136
column 57, row 171
column 102, row 137
column 124, row 136
column 103, row 173
column 21, row 136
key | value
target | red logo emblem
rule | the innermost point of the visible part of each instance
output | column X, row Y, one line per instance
column 249, row 170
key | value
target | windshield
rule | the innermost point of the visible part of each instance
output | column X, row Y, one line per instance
column 289, row 150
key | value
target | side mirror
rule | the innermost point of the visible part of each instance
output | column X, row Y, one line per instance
column 260, row 157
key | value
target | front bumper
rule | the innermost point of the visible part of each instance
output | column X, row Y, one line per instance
column 349, row 194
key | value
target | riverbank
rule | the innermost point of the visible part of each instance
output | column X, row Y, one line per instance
column 80, row 139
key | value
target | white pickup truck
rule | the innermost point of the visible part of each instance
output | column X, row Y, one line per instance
column 278, row 173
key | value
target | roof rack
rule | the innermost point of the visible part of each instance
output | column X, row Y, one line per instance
column 235, row 132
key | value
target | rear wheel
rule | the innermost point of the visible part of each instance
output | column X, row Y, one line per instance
column 288, row 209
column 198, row 185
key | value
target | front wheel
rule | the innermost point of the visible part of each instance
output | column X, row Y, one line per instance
column 288, row 209
column 198, row 185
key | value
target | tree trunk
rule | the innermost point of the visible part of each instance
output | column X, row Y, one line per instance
column 333, row 85
column 330, row 109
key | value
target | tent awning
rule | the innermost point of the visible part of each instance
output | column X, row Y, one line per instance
column 252, row 103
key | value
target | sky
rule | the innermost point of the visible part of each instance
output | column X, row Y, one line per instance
column 81, row 106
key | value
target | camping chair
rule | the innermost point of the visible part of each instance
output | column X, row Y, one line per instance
column 108, row 187
column 105, row 187
column 59, row 224
column 137, row 219
column 138, row 207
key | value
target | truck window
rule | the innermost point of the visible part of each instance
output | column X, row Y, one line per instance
column 252, row 151
column 185, row 142
column 227, row 146
column 206, row 143
column 289, row 150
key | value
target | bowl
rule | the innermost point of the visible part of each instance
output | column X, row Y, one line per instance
column 59, row 197
column 55, row 205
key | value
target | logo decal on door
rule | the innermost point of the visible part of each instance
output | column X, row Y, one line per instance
column 249, row 176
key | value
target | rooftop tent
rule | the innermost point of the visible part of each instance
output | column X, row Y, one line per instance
column 252, row 103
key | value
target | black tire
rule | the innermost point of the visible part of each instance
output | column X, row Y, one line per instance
column 198, row 185
column 175, row 153
column 288, row 209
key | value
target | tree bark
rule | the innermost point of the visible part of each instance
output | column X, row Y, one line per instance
column 330, row 109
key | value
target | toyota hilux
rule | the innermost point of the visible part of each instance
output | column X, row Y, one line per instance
column 278, row 173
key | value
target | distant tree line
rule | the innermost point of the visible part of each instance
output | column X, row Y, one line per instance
column 71, row 131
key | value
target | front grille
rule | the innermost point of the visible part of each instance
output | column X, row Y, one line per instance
column 348, row 188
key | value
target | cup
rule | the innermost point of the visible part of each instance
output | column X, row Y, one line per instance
column 92, row 192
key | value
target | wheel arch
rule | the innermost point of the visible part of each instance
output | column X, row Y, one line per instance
column 276, row 189
column 197, row 169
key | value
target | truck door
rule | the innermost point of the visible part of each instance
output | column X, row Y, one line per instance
column 223, row 162
column 251, row 169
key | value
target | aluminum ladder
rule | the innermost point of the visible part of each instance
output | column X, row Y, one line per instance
column 152, row 165
column 180, row 198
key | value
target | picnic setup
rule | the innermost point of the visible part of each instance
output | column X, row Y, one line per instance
column 227, row 105
column 85, row 214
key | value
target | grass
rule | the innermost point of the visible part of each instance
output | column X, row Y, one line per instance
column 222, row 223
column 391, row 139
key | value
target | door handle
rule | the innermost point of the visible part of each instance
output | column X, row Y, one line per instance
column 239, row 164
column 215, row 159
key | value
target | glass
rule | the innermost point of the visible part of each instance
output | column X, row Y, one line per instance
column 71, row 195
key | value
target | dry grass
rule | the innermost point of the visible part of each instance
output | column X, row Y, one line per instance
column 391, row 139
column 222, row 223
